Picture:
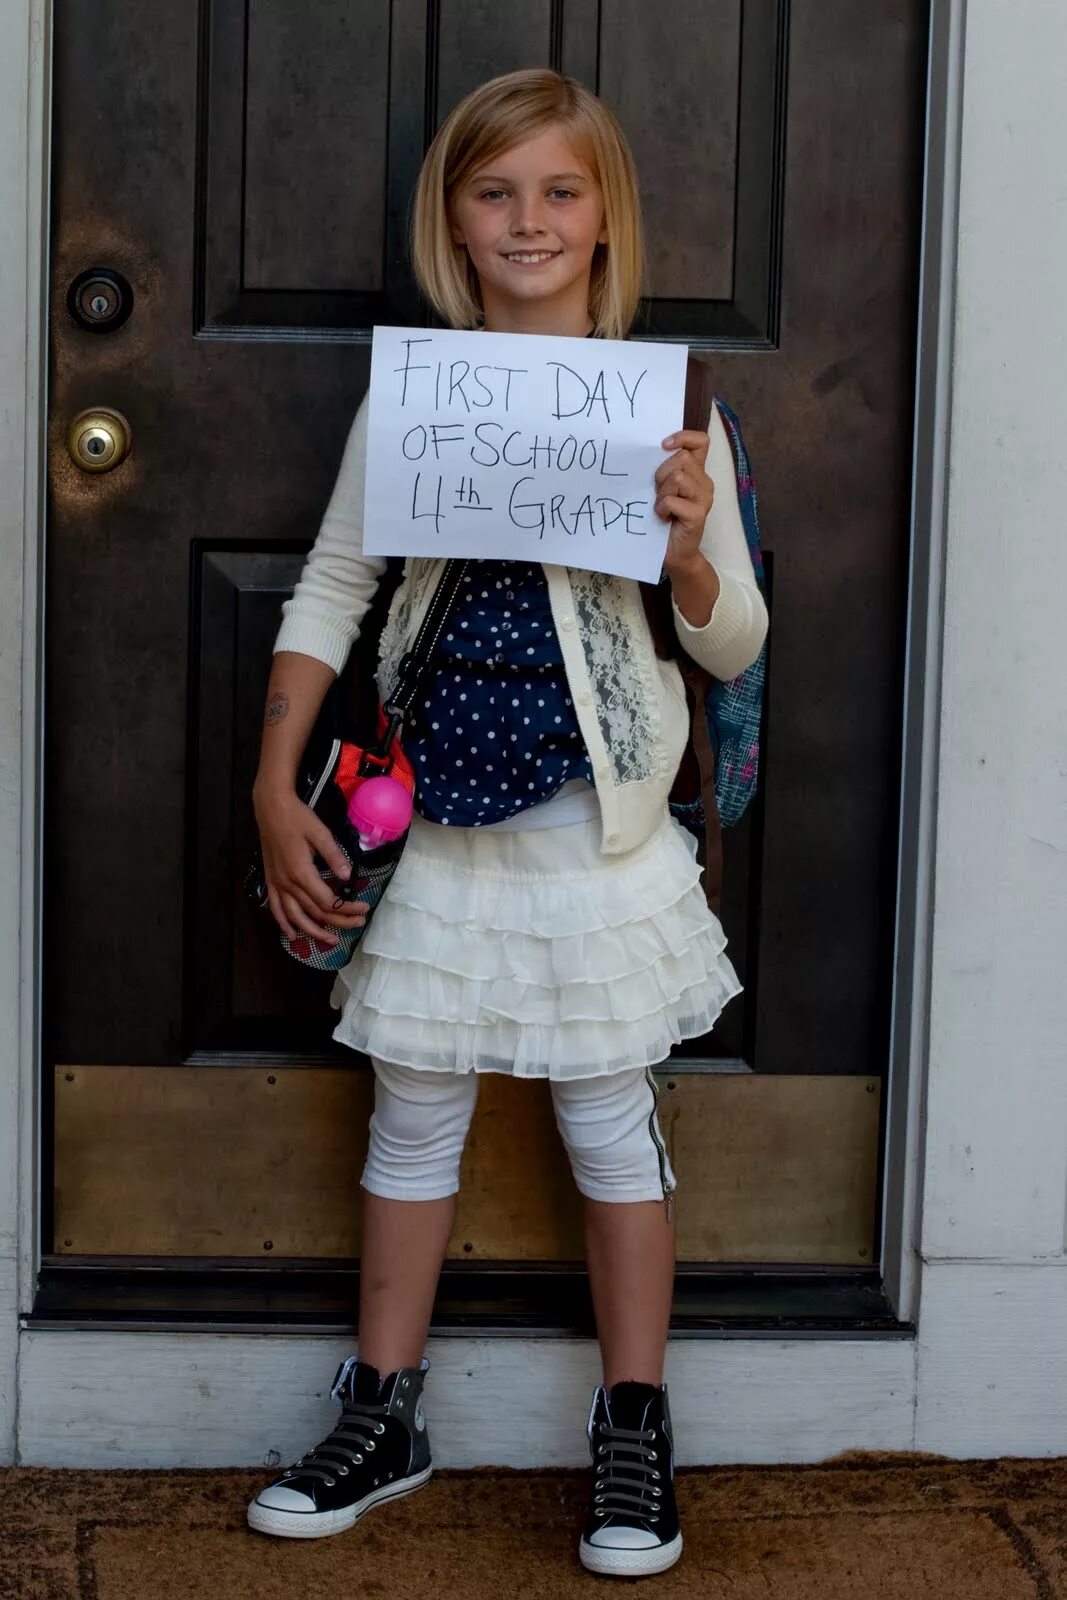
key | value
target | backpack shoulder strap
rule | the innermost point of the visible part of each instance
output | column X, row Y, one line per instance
column 746, row 489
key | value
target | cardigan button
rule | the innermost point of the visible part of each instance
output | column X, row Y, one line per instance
column 585, row 698
column 612, row 838
column 568, row 623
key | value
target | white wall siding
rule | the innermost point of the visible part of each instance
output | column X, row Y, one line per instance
column 992, row 1360
column 996, row 1151
column 160, row 1400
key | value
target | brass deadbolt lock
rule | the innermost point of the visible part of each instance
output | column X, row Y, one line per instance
column 98, row 439
column 100, row 299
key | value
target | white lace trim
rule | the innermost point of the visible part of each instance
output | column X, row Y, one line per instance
column 616, row 645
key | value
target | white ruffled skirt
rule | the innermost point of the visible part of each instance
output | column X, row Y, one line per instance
column 532, row 953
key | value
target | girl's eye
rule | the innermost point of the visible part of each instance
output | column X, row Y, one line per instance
column 487, row 194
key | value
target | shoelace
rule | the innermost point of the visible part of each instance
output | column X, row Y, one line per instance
column 356, row 1427
column 622, row 1448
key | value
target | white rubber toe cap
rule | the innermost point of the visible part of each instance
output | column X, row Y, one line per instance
column 279, row 1498
column 623, row 1538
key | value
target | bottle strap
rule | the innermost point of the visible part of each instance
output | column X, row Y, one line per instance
column 415, row 662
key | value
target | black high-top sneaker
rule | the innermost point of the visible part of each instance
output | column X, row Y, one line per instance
column 632, row 1525
column 379, row 1450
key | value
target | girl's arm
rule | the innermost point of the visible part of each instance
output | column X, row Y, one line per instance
column 289, row 831
column 731, row 637
column 295, row 692
column 319, row 625
column 338, row 581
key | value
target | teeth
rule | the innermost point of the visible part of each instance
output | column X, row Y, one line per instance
column 539, row 255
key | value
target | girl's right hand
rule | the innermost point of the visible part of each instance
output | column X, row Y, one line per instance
column 291, row 835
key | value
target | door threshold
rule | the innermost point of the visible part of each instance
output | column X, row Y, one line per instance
column 549, row 1300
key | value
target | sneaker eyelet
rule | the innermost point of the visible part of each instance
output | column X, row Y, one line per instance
column 343, row 1472
column 379, row 1427
column 600, row 1512
column 332, row 1482
column 371, row 1445
column 657, row 1491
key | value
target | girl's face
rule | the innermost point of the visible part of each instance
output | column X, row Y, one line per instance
column 541, row 198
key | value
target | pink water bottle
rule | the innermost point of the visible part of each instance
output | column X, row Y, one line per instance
column 380, row 810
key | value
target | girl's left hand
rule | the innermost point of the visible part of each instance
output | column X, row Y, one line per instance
column 684, row 496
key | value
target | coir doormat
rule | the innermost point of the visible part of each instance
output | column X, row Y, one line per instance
column 880, row 1527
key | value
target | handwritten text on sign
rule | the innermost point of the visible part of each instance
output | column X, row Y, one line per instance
column 520, row 446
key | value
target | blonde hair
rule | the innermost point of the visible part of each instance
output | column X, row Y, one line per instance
column 501, row 113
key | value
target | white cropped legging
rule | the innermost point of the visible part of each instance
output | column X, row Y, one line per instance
column 608, row 1125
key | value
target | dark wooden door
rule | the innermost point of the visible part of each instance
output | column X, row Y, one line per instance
column 243, row 174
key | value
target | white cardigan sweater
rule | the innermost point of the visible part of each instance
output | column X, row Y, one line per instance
column 630, row 705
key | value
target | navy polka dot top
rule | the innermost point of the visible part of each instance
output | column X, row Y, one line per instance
column 495, row 729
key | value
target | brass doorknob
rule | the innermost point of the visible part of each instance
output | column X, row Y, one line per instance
column 98, row 439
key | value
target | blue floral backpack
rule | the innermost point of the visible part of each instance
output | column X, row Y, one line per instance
column 719, row 771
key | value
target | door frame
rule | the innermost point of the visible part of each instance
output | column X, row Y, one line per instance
column 25, row 126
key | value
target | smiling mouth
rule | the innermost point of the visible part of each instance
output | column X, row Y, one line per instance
column 530, row 258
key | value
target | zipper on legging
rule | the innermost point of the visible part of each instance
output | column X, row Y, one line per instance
column 661, row 1150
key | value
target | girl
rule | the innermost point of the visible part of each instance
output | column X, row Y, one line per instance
column 546, row 918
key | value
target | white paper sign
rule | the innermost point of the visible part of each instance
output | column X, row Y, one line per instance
column 520, row 446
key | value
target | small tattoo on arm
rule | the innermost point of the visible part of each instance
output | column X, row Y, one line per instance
column 277, row 709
